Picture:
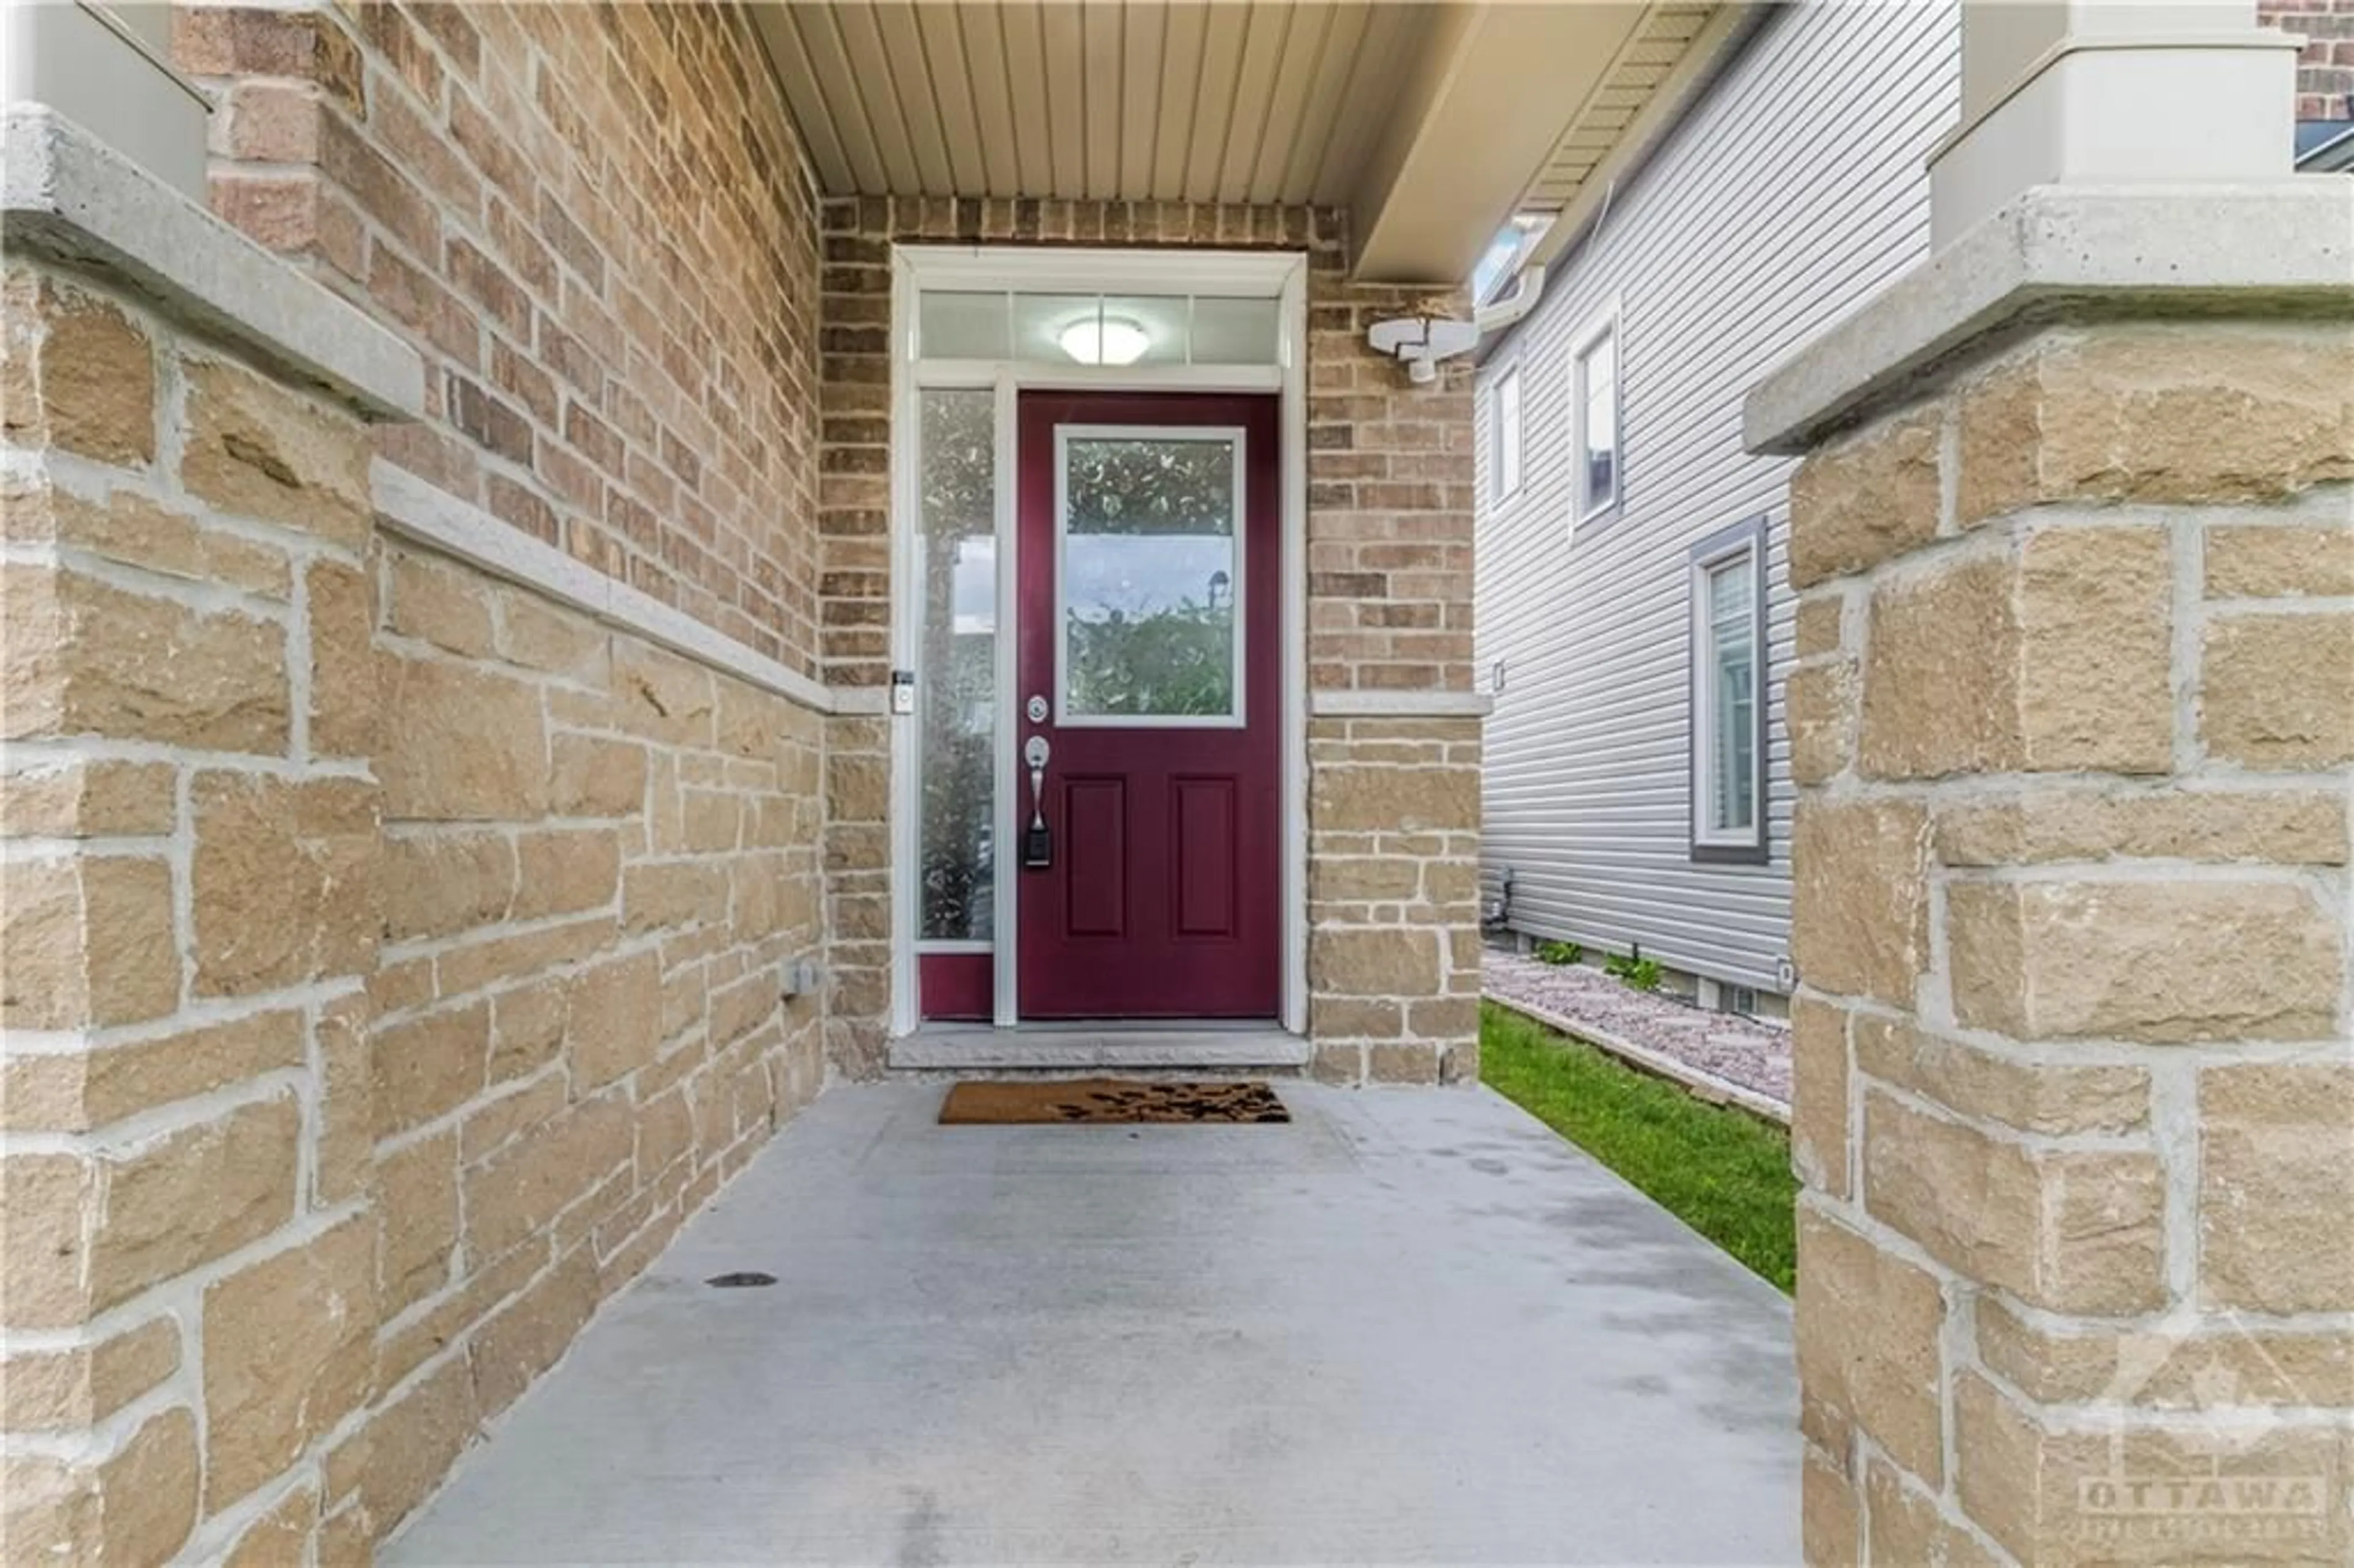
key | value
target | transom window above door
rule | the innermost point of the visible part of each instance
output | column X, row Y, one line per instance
column 1003, row 325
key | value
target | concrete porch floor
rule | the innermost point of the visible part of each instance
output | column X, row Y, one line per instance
column 1413, row 1326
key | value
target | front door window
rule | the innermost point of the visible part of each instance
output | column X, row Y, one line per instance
column 1151, row 575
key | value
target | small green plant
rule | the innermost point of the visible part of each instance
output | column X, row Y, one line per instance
column 1559, row 953
column 1633, row 969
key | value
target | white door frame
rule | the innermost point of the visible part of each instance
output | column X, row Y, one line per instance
column 1281, row 276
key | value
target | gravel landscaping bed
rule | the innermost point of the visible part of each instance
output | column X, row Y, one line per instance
column 1748, row 1053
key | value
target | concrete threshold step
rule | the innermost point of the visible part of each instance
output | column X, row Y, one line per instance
column 1062, row 1050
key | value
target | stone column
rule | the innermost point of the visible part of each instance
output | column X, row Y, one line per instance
column 2072, row 721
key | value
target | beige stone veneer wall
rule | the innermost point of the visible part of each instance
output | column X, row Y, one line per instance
column 2073, row 715
column 1393, row 899
column 599, row 860
column 393, row 960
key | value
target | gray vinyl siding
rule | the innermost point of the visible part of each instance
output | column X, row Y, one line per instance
column 1792, row 191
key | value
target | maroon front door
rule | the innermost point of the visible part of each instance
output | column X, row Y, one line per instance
column 1150, row 669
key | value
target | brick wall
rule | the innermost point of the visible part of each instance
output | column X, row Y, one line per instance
column 1389, row 590
column 597, row 224
column 2074, row 1110
column 394, row 959
column 2325, row 67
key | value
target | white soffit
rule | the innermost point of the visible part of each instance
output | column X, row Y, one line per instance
column 1434, row 123
column 1646, row 64
column 1263, row 101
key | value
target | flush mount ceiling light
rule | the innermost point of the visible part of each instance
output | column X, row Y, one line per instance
column 1115, row 339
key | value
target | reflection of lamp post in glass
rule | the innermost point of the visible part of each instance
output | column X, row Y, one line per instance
column 1219, row 583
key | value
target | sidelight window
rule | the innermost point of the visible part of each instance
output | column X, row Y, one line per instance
column 955, row 569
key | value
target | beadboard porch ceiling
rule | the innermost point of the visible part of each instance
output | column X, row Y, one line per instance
column 1433, row 121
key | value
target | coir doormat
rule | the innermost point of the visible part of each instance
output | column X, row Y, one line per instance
column 1108, row 1100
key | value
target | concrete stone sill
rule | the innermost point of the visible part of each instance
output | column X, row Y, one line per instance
column 69, row 196
column 418, row 509
column 1060, row 1049
column 2061, row 252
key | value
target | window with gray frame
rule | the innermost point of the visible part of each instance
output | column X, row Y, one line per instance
column 1599, row 472
column 1728, row 702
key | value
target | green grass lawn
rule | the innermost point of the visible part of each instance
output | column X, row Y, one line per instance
column 1722, row 1171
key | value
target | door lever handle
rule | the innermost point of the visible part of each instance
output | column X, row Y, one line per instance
column 1037, row 843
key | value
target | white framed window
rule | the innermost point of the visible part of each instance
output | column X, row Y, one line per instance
column 1600, row 469
column 1728, row 694
column 1504, row 437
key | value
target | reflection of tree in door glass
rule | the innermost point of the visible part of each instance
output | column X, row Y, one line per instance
column 956, row 555
column 1149, row 575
